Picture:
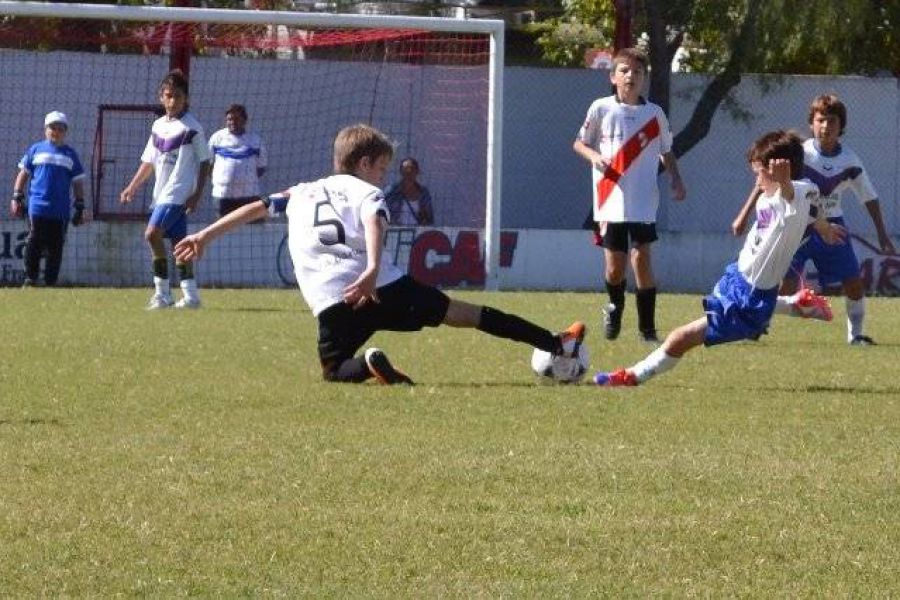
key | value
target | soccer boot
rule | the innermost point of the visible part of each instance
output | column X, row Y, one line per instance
column 617, row 378
column 382, row 369
column 573, row 333
column 159, row 301
column 862, row 340
column 192, row 303
column 612, row 321
column 810, row 305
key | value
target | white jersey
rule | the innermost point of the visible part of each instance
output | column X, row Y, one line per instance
column 327, row 239
column 236, row 160
column 776, row 235
column 632, row 137
column 834, row 174
column 176, row 148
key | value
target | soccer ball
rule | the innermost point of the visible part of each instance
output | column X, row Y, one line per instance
column 562, row 369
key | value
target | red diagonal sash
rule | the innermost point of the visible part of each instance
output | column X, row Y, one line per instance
column 628, row 152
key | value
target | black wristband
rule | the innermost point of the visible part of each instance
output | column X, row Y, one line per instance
column 79, row 204
column 19, row 197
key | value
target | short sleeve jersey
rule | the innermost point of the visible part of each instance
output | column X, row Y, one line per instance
column 236, row 160
column 632, row 138
column 776, row 235
column 52, row 170
column 327, row 239
column 176, row 149
column 834, row 174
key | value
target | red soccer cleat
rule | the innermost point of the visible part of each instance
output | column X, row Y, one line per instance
column 810, row 305
column 617, row 378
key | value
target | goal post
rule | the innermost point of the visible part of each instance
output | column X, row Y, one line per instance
column 285, row 38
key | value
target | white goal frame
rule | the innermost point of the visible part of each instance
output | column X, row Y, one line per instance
column 493, row 28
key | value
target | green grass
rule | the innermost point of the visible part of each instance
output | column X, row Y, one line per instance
column 170, row 453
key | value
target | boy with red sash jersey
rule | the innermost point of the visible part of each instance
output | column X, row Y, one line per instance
column 624, row 137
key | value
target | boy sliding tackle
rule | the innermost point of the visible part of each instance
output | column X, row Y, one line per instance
column 336, row 231
column 743, row 300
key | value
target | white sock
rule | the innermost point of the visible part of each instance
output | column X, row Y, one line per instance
column 856, row 313
column 784, row 305
column 162, row 286
column 189, row 289
column 656, row 363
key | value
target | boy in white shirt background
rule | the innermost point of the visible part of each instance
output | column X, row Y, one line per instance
column 624, row 138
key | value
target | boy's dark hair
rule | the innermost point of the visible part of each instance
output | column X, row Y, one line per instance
column 779, row 144
column 356, row 142
column 237, row 109
column 631, row 54
column 410, row 160
column 829, row 104
column 176, row 80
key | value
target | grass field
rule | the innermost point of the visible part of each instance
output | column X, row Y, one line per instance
column 171, row 453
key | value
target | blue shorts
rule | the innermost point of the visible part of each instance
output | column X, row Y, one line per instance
column 171, row 219
column 735, row 311
column 834, row 263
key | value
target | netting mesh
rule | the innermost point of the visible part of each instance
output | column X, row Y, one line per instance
column 428, row 91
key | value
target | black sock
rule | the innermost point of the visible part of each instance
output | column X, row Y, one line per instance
column 352, row 370
column 616, row 293
column 511, row 327
column 646, row 309
column 185, row 270
column 161, row 268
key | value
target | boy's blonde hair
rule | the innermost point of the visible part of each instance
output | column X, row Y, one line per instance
column 633, row 54
column 356, row 142
column 778, row 144
column 829, row 104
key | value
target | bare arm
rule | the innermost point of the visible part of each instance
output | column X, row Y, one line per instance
column 18, row 203
column 78, row 186
column 193, row 246
column 739, row 225
column 141, row 175
column 190, row 204
column 363, row 289
column 22, row 178
column 590, row 155
column 669, row 161
column 884, row 240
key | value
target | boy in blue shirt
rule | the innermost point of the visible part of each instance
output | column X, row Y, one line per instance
column 54, row 170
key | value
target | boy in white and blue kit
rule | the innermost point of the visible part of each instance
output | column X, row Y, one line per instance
column 54, row 169
column 178, row 154
column 835, row 168
column 743, row 300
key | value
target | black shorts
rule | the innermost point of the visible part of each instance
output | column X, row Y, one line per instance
column 406, row 305
column 616, row 236
column 227, row 205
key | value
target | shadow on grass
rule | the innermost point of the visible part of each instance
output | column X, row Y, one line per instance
column 807, row 389
column 51, row 422
column 259, row 309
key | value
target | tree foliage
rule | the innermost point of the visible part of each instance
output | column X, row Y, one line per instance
column 726, row 38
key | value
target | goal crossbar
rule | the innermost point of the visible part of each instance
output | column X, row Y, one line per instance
column 490, row 27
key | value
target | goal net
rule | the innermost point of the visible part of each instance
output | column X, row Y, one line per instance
column 431, row 84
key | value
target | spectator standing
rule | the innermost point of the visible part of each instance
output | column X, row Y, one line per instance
column 409, row 202
column 239, row 160
column 54, row 170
